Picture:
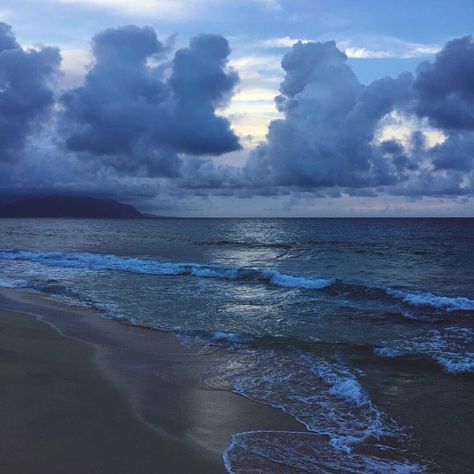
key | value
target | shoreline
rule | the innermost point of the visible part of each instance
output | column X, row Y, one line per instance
column 111, row 397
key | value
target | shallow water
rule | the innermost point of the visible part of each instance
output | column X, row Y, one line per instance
column 361, row 329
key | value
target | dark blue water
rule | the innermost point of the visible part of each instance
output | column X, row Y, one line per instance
column 346, row 324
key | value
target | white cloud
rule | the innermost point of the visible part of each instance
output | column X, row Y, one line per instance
column 398, row 126
column 168, row 8
column 363, row 47
column 364, row 53
column 281, row 42
column 385, row 47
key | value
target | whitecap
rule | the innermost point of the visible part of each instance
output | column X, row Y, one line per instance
column 448, row 303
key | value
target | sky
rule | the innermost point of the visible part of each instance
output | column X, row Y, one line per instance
column 247, row 108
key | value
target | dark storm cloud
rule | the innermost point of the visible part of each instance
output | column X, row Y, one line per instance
column 137, row 121
column 445, row 87
column 56, row 173
column 201, row 83
column 25, row 92
column 328, row 140
column 456, row 153
column 330, row 120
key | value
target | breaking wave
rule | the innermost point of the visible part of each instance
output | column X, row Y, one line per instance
column 260, row 275
column 457, row 303
column 155, row 267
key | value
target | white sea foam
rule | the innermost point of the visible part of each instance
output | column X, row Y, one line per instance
column 206, row 272
column 342, row 383
column 289, row 281
column 387, row 352
column 234, row 338
column 448, row 303
column 327, row 398
column 457, row 365
column 13, row 283
column 350, row 390
column 270, row 452
column 450, row 347
column 323, row 395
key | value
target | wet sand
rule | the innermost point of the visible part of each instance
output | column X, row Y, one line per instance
column 84, row 394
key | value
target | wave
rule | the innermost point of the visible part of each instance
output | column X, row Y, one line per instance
column 415, row 300
column 333, row 287
column 289, row 281
column 448, row 303
column 155, row 267
column 230, row 337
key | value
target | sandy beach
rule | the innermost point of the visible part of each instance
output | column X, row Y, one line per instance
column 73, row 406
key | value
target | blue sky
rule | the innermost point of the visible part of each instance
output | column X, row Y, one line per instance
column 379, row 38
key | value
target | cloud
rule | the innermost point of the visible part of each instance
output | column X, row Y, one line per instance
column 201, row 83
column 455, row 153
column 364, row 53
column 168, row 9
column 384, row 47
column 136, row 117
column 146, row 121
column 330, row 119
column 446, row 87
column 363, row 47
column 335, row 135
column 25, row 90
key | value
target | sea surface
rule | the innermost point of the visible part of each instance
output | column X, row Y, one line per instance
column 361, row 329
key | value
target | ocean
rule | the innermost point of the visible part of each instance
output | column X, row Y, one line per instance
column 360, row 329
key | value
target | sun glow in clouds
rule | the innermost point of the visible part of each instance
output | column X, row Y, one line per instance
column 400, row 127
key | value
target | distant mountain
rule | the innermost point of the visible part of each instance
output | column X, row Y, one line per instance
column 62, row 206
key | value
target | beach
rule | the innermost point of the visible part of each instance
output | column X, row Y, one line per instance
column 238, row 346
column 67, row 406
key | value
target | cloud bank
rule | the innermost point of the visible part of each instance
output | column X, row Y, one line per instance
column 25, row 92
column 134, row 119
column 328, row 138
column 145, row 122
